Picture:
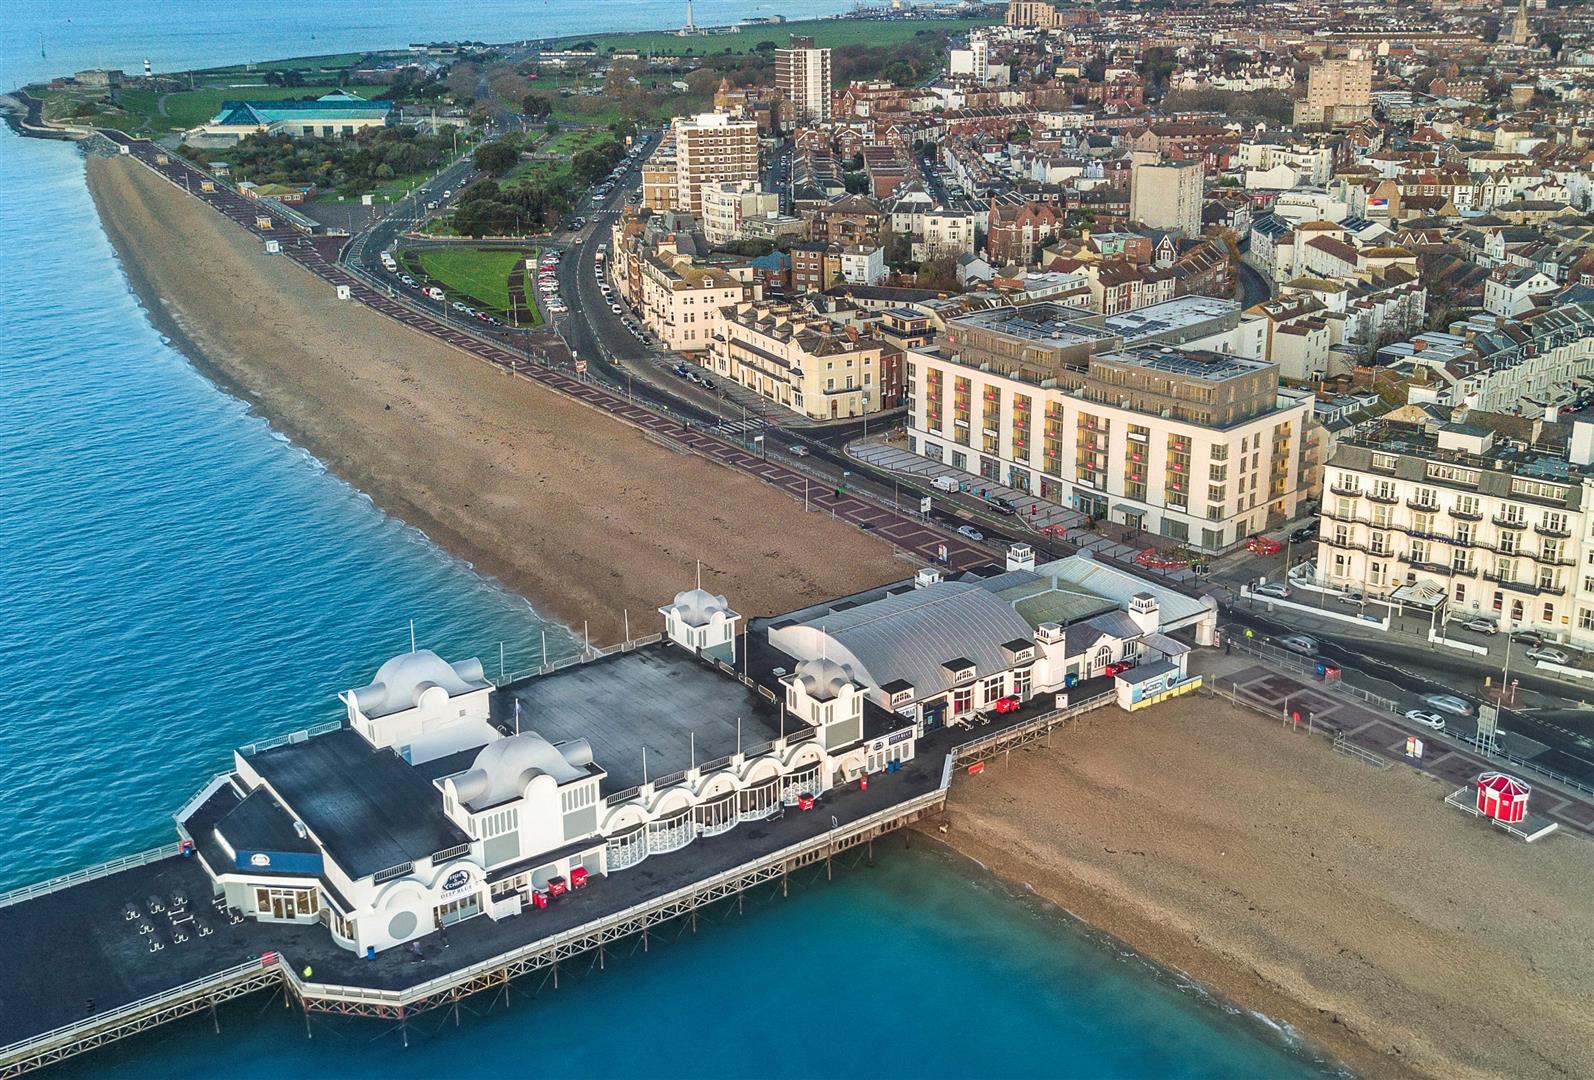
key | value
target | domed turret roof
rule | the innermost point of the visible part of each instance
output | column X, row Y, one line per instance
column 504, row 767
column 823, row 679
column 401, row 681
column 696, row 607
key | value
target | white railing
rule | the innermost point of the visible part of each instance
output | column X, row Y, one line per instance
column 1047, row 719
column 292, row 736
column 444, row 982
column 133, row 1008
column 78, row 877
column 213, row 785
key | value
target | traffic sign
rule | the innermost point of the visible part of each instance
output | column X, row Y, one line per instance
column 924, row 505
column 581, row 367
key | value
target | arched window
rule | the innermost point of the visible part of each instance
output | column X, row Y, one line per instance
column 1103, row 658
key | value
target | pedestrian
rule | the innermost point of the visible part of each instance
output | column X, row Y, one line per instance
column 307, row 971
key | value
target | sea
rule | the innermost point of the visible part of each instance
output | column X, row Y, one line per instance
column 177, row 579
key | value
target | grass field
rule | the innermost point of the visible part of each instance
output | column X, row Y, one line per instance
column 827, row 33
column 137, row 110
column 478, row 274
column 189, row 108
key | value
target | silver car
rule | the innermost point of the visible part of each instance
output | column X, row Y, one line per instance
column 1449, row 703
column 1548, row 655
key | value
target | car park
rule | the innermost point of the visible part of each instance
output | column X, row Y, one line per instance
column 1548, row 655
column 1301, row 643
column 1449, row 703
column 970, row 532
column 1479, row 625
column 1426, row 719
column 1276, row 590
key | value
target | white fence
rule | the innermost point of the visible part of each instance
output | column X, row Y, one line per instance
column 78, row 877
column 1323, row 612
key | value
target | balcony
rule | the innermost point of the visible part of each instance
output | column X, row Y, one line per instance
column 1423, row 505
column 1388, row 497
column 1465, row 515
column 1523, row 586
column 1509, row 523
column 1554, row 531
column 1440, row 569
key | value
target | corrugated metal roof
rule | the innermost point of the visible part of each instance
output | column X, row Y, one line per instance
column 911, row 635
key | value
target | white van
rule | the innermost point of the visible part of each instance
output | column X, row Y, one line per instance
column 945, row 483
column 435, row 293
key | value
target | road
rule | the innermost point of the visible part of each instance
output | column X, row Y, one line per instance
column 1254, row 288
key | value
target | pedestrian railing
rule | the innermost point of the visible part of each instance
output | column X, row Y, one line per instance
column 90, row 873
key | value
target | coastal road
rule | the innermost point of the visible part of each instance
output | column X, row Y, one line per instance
column 905, row 531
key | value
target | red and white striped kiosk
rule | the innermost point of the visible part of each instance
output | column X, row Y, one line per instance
column 1502, row 797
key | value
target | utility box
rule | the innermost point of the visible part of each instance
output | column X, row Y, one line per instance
column 273, row 247
column 343, row 292
column 263, row 222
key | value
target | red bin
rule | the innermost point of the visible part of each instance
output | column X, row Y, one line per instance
column 557, row 887
column 539, row 899
column 805, row 802
column 578, row 877
column 863, row 782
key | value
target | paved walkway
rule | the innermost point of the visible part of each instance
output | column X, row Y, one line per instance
column 1038, row 515
column 1274, row 692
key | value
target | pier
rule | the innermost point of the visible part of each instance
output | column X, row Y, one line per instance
column 81, row 974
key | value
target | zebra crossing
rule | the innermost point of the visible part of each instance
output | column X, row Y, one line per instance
column 750, row 426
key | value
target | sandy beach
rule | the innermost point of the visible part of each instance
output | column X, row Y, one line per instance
column 572, row 509
column 1398, row 935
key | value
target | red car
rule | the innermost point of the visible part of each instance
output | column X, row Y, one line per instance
column 1119, row 667
column 1007, row 705
column 1262, row 545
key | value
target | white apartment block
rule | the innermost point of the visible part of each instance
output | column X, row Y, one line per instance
column 1497, row 529
column 944, row 234
column 712, row 148
column 802, row 77
column 1106, row 414
column 1167, row 196
column 726, row 206
column 1307, row 164
column 1338, row 91
column 677, row 300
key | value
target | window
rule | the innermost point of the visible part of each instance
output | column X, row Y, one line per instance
column 1585, row 618
column 962, row 700
column 1021, row 685
column 991, row 689
column 1461, row 591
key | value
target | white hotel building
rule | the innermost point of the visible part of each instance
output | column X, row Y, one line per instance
column 1153, row 418
column 1457, row 518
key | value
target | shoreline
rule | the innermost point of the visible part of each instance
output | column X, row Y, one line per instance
column 1347, row 905
column 570, row 509
column 966, row 859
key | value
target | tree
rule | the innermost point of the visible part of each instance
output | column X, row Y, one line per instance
column 536, row 106
column 765, row 46
column 496, row 158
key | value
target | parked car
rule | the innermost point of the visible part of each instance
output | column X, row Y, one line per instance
column 971, row 532
column 1263, row 545
column 1480, row 625
column 1301, row 643
column 1548, row 655
column 1450, row 703
column 708, row 383
column 1304, row 533
column 1353, row 596
column 682, row 370
column 1426, row 719
column 798, row 450
column 1277, row 590
column 1528, row 638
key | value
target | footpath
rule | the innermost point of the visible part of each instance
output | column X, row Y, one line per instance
column 1378, row 737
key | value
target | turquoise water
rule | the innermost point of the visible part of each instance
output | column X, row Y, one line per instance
column 178, row 580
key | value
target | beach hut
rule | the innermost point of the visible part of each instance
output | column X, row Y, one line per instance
column 1502, row 797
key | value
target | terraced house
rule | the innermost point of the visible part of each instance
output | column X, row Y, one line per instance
column 805, row 362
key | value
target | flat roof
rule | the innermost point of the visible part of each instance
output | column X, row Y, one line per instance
column 1056, row 325
column 1169, row 317
column 368, row 807
column 660, row 696
column 1185, row 363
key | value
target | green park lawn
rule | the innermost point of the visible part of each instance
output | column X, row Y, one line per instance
column 481, row 274
column 827, row 33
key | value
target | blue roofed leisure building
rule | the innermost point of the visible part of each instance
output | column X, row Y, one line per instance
column 330, row 116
